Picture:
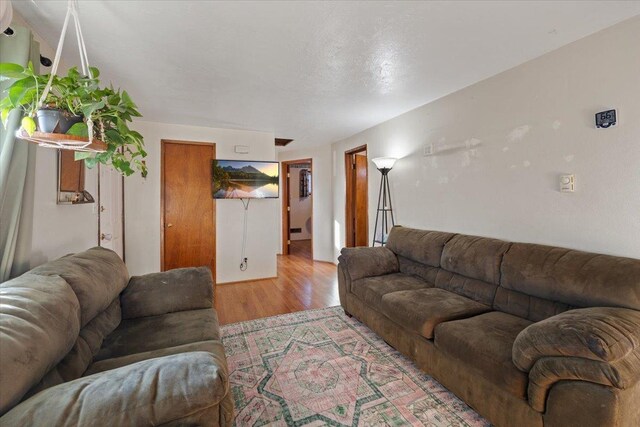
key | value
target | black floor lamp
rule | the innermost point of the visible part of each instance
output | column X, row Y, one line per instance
column 384, row 165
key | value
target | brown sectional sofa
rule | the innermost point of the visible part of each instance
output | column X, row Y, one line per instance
column 528, row 335
column 81, row 343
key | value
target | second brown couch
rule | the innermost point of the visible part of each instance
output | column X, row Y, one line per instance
column 527, row 335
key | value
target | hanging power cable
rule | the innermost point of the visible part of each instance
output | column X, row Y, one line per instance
column 244, row 261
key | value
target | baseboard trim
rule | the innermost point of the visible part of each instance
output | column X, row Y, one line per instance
column 246, row 281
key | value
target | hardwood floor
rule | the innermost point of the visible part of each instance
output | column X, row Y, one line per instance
column 302, row 284
column 301, row 248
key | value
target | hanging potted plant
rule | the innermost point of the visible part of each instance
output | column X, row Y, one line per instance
column 78, row 106
column 83, row 109
column 24, row 94
column 110, row 111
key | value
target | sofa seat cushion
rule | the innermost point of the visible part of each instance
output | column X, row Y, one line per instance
column 213, row 347
column 167, row 391
column 485, row 342
column 157, row 332
column 372, row 289
column 421, row 310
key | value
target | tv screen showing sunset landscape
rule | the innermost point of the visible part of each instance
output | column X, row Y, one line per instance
column 239, row 179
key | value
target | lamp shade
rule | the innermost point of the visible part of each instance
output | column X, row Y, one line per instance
column 384, row 162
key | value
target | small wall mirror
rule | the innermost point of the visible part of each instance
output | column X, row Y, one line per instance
column 305, row 183
column 71, row 180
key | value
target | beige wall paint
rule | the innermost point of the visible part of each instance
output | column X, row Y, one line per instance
column 503, row 143
column 142, row 206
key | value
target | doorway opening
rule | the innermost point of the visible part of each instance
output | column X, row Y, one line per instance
column 187, row 208
column 357, row 203
column 297, row 208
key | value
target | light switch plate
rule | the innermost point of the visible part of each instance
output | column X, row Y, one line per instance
column 567, row 183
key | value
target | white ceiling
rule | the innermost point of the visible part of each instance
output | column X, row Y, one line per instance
column 313, row 71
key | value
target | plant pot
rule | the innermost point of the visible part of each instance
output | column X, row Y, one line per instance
column 51, row 120
column 67, row 120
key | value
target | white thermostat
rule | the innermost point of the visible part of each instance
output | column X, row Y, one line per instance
column 241, row 149
column 567, row 183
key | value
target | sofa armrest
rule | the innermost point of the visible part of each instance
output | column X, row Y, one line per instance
column 368, row 262
column 605, row 334
column 621, row 374
column 151, row 392
column 167, row 292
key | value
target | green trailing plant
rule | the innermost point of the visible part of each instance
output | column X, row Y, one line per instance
column 109, row 110
column 23, row 94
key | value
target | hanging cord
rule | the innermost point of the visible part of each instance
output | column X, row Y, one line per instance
column 72, row 11
column 244, row 262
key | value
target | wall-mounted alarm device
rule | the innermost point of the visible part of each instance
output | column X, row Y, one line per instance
column 605, row 119
column 567, row 183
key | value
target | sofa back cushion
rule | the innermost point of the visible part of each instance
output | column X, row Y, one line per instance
column 419, row 251
column 575, row 278
column 421, row 246
column 39, row 324
column 97, row 276
column 76, row 362
column 527, row 306
column 470, row 266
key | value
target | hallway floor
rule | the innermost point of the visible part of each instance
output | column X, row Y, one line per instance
column 301, row 248
column 302, row 284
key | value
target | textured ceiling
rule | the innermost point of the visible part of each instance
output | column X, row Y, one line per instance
column 316, row 72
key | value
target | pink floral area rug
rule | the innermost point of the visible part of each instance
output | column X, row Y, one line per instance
column 322, row 368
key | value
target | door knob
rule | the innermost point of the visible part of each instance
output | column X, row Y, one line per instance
column 169, row 225
column 106, row 237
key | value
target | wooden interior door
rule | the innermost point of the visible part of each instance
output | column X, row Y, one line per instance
column 357, row 198
column 287, row 212
column 361, row 201
column 188, row 207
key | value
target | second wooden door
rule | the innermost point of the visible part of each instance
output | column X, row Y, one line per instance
column 357, row 200
column 361, row 228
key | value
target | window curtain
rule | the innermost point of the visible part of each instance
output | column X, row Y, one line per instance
column 17, row 162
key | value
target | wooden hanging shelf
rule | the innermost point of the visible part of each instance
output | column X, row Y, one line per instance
column 62, row 141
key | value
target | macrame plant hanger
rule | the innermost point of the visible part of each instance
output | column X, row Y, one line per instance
column 68, row 142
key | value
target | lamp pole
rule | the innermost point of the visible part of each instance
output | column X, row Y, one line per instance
column 384, row 165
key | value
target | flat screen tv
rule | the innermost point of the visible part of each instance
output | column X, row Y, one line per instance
column 240, row 179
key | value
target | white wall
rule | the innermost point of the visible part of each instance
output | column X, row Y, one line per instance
column 142, row 206
column 56, row 229
column 519, row 131
column 60, row 229
column 321, row 182
column 532, row 123
column 301, row 207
